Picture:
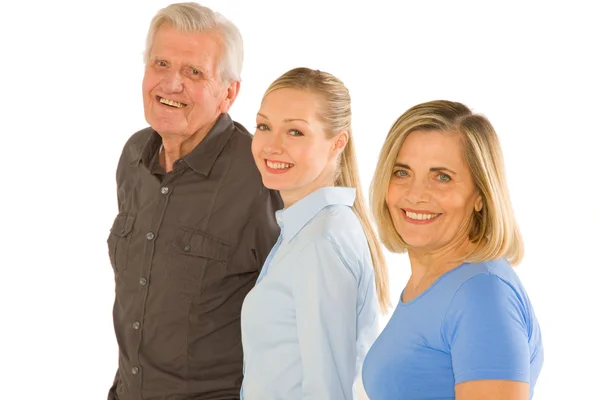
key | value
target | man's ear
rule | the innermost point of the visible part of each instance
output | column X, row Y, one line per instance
column 232, row 91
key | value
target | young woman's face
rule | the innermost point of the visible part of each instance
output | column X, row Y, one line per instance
column 290, row 145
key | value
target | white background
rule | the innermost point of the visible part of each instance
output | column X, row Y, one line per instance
column 71, row 96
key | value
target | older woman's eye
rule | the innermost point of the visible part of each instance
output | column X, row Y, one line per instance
column 401, row 173
column 444, row 177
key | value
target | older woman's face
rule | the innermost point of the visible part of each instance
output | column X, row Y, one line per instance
column 431, row 195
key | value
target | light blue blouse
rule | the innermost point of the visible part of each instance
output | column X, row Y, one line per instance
column 313, row 314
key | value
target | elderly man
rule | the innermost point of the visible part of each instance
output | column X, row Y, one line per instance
column 195, row 223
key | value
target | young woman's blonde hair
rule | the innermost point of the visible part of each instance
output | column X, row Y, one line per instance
column 494, row 229
column 193, row 18
column 335, row 113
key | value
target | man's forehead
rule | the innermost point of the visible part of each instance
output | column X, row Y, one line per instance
column 202, row 46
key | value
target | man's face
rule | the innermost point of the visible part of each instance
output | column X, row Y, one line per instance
column 182, row 89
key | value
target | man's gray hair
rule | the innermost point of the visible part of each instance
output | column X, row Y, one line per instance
column 194, row 18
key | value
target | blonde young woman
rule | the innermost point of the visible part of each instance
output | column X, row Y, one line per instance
column 313, row 313
column 464, row 327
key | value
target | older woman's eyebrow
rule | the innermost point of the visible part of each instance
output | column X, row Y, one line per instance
column 435, row 169
column 401, row 165
column 432, row 169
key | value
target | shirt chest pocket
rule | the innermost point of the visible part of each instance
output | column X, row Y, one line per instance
column 197, row 261
column 118, row 241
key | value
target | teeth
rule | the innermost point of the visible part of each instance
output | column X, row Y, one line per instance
column 172, row 103
column 421, row 217
column 278, row 165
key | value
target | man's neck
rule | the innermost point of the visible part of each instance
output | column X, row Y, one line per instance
column 175, row 147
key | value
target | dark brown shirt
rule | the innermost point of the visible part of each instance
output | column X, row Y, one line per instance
column 186, row 247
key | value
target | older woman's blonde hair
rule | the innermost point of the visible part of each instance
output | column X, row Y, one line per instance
column 494, row 228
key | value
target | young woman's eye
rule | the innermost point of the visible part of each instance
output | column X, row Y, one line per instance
column 262, row 127
column 295, row 132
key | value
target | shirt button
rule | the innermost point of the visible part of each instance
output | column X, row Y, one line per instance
column 143, row 281
column 149, row 235
column 135, row 370
column 164, row 190
column 187, row 248
column 136, row 325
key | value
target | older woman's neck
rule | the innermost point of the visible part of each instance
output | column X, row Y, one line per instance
column 427, row 263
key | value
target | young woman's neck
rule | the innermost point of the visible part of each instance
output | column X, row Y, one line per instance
column 293, row 196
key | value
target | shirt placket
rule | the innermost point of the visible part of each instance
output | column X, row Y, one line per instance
column 162, row 201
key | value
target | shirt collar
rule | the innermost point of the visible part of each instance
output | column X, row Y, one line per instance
column 292, row 219
column 204, row 155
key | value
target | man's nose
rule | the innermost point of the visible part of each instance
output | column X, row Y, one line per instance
column 172, row 82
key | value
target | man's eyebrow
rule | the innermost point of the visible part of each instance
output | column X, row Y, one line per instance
column 196, row 67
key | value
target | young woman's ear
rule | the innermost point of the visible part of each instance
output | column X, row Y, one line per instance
column 340, row 141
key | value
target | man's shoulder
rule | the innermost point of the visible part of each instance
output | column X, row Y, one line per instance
column 241, row 133
column 134, row 145
column 141, row 136
column 241, row 143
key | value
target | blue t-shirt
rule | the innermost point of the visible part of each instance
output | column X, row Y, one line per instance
column 475, row 322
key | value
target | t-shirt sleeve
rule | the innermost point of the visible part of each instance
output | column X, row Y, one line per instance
column 486, row 331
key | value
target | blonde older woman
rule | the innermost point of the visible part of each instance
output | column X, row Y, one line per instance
column 464, row 327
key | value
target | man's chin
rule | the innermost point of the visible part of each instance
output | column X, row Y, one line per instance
column 168, row 128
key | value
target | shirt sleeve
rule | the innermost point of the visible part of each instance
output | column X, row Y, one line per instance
column 486, row 331
column 325, row 293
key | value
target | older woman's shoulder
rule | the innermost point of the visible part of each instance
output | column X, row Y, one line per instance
column 487, row 271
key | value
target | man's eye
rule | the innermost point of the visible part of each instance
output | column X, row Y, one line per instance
column 194, row 71
column 161, row 63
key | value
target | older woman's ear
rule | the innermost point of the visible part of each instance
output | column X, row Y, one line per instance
column 478, row 203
